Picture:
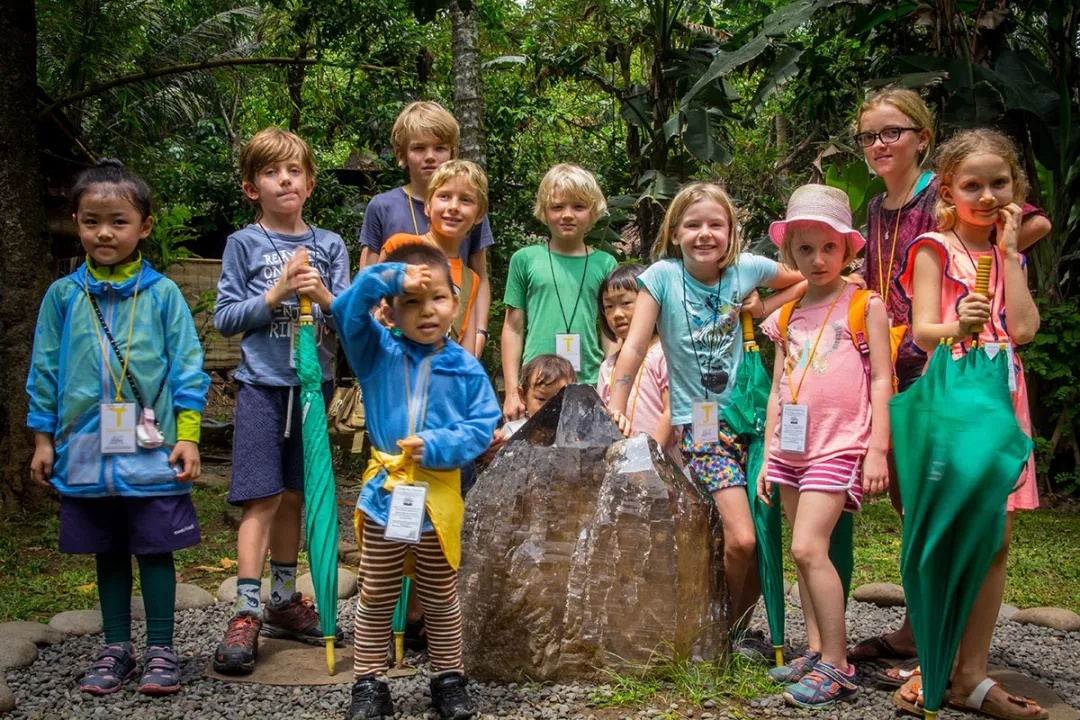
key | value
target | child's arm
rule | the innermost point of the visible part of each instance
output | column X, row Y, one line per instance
column 41, row 464
column 876, row 465
column 1020, row 308
column 42, row 384
column 188, row 384
column 237, row 310
column 468, row 333
column 772, row 416
column 1033, row 228
column 789, row 283
column 663, row 425
column 927, row 328
column 453, row 446
column 513, row 346
column 360, row 333
column 478, row 264
column 633, row 351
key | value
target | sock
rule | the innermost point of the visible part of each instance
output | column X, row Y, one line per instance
column 157, row 574
column 114, row 590
column 282, row 582
column 247, row 596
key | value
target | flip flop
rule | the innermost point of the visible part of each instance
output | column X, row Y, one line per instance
column 905, row 670
column 976, row 703
column 914, row 708
column 873, row 648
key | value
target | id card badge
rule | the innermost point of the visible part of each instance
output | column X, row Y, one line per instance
column 706, row 422
column 793, row 422
column 568, row 347
column 406, row 519
column 117, row 422
column 993, row 348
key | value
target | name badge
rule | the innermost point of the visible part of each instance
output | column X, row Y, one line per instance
column 568, row 346
column 993, row 348
column 117, row 421
column 793, row 422
column 406, row 519
column 706, row 422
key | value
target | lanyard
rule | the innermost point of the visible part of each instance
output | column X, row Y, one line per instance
column 412, row 212
column 712, row 347
column 314, row 245
column 993, row 278
column 118, row 382
column 884, row 285
column 635, row 388
column 581, row 288
column 796, row 389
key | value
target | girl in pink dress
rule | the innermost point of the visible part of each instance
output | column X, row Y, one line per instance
column 981, row 188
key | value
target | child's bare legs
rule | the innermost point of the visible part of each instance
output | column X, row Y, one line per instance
column 813, row 516
column 271, row 522
column 740, row 557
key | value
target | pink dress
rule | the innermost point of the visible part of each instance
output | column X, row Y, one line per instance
column 958, row 279
column 646, row 403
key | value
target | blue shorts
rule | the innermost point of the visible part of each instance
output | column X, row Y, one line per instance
column 265, row 462
column 128, row 525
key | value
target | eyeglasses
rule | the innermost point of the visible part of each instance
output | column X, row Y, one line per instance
column 887, row 135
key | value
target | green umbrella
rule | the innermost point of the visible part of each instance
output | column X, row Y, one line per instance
column 400, row 621
column 319, row 492
column 745, row 413
column 957, row 459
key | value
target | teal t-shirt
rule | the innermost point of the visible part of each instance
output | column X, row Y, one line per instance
column 699, row 328
column 559, row 295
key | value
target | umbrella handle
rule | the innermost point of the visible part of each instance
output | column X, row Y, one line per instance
column 982, row 286
column 305, row 306
column 748, row 331
column 330, row 661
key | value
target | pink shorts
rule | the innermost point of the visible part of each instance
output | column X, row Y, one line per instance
column 838, row 474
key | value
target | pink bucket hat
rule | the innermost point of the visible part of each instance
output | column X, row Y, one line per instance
column 823, row 204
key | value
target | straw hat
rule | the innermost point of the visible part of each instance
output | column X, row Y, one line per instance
column 823, row 204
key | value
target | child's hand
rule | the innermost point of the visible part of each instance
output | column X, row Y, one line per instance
column 41, row 466
column 1008, row 228
column 305, row 280
column 753, row 304
column 186, row 454
column 513, row 408
column 496, row 444
column 974, row 309
column 417, row 278
column 875, row 472
column 413, row 446
column 622, row 421
column 764, row 487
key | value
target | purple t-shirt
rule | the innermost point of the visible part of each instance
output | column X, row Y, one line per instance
column 388, row 214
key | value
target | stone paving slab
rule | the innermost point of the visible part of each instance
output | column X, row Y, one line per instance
column 285, row 662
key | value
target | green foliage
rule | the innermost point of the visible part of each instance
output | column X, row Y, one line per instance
column 167, row 241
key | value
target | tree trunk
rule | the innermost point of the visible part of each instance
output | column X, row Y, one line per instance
column 23, row 245
column 296, row 75
column 468, row 95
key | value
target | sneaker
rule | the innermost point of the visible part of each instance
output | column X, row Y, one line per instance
column 821, row 687
column 751, row 645
column 296, row 619
column 161, row 672
column 450, row 699
column 795, row 670
column 370, row 699
column 114, row 666
column 237, row 652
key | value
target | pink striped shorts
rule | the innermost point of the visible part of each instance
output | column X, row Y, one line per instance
column 838, row 474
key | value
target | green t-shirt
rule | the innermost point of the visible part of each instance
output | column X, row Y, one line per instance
column 559, row 295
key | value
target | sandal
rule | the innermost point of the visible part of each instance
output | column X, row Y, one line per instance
column 897, row 675
column 976, row 703
column 823, row 686
column 161, row 672
column 873, row 648
column 913, row 685
column 112, row 668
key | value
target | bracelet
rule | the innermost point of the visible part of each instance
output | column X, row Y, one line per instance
column 481, row 331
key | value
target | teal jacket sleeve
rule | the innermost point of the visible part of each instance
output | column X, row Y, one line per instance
column 187, row 381
column 42, row 384
column 359, row 333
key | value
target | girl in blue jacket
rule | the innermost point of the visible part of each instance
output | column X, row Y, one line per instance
column 116, row 394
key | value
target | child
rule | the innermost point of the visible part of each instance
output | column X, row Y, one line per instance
column 546, row 284
column 424, row 137
column 692, row 297
column 263, row 272
column 97, row 363
column 445, row 417
column 894, row 131
column 456, row 202
column 541, row 379
column 650, row 406
column 981, row 186
column 817, row 458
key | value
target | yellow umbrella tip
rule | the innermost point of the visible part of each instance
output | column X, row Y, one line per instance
column 779, row 650
column 930, row 714
column 330, row 661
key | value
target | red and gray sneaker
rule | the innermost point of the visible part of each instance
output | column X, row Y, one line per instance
column 296, row 619
column 237, row 652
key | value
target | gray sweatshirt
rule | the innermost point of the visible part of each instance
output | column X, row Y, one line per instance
column 251, row 265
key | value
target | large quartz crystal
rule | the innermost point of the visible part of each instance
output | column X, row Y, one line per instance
column 583, row 551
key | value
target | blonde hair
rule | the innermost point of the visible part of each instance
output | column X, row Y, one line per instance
column 273, row 145
column 906, row 101
column 791, row 235
column 959, row 148
column 424, row 118
column 573, row 181
column 688, row 196
column 464, row 169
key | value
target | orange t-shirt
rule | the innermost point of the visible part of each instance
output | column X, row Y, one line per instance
column 464, row 279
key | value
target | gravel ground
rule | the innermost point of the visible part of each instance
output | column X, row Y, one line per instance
column 47, row 688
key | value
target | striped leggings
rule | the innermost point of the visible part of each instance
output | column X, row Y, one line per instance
column 381, row 565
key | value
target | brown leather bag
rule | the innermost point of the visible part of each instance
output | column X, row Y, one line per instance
column 346, row 413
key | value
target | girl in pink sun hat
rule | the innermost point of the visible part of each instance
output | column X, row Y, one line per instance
column 826, row 445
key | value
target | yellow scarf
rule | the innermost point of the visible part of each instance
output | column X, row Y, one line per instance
column 444, row 505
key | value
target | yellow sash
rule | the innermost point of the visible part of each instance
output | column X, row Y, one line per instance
column 444, row 505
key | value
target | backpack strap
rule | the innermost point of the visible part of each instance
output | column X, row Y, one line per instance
column 857, row 320
column 784, row 318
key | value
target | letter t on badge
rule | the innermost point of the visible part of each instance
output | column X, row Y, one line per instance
column 706, row 422
column 568, row 347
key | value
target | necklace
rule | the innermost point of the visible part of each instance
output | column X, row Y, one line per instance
column 883, row 284
column 993, row 276
column 714, row 381
column 555, row 284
